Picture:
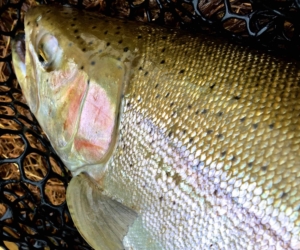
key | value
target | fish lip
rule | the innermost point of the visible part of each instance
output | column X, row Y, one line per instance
column 19, row 45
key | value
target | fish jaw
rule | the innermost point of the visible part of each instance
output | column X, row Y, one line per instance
column 18, row 56
column 19, row 62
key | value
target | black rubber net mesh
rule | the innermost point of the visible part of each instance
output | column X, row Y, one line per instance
column 33, row 180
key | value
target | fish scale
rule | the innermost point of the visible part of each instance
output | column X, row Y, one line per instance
column 235, row 130
column 205, row 146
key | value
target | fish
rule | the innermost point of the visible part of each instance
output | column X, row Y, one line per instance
column 174, row 140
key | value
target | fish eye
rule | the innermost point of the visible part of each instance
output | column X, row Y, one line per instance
column 48, row 51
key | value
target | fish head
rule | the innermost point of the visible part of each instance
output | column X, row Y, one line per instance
column 71, row 85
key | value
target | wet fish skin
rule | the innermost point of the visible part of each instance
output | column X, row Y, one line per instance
column 206, row 148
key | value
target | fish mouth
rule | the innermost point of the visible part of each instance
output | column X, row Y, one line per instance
column 20, row 47
column 18, row 54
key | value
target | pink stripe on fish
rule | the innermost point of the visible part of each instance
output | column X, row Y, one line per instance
column 96, row 124
column 74, row 95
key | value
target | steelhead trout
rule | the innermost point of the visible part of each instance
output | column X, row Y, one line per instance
column 175, row 141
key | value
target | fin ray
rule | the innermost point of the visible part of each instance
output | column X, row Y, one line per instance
column 102, row 221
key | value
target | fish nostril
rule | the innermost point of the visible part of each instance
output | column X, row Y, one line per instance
column 20, row 45
column 41, row 59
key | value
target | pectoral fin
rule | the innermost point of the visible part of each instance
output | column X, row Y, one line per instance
column 102, row 221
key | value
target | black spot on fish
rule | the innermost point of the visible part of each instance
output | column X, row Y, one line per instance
column 167, row 94
column 163, row 37
column 157, row 96
column 76, row 31
column 105, row 33
column 255, row 126
column 37, row 25
column 93, row 63
column 108, row 44
column 139, row 37
column 84, row 49
column 171, row 104
column 223, row 154
column 48, row 11
column 220, row 136
column 118, row 27
column 117, row 33
column 156, row 86
column 181, row 71
column 197, row 112
column 174, row 113
column 162, row 62
column 160, row 198
column 271, row 126
column 212, row 86
column 250, row 164
column 233, row 158
column 125, row 49
column 74, row 19
column 191, row 140
column 72, row 24
column 163, row 50
column 146, row 73
column 91, row 42
column 184, row 131
column 243, row 119
column 100, row 50
column 209, row 131
column 236, row 98
column 170, row 134
column 94, row 27
column 189, row 106
column 28, row 23
column 82, row 67
column 264, row 168
column 70, row 44
column 204, row 111
column 77, row 37
column 220, row 113
column 282, row 195
column 120, row 41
